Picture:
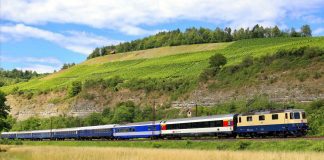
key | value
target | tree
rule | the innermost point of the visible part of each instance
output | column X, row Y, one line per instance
column 93, row 119
column 4, row 111
column 276, row 32
column 293, row 33
column 306, row 31
column 124, row 113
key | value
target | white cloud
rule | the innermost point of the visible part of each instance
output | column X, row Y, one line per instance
column 318, row 31
column 128, row 16
column 47, row 60
column 39, row 68
column 80, row 42
column 40, row 65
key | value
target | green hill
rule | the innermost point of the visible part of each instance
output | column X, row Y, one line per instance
column 185, row 62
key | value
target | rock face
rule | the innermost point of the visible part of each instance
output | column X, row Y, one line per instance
column 56, row 103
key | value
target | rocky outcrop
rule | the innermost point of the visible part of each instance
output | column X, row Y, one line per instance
column 57, row 103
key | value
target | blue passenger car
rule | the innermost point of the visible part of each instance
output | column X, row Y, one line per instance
column 24, row 135
column 103, row 131
column 42, row 134
column 8, row 135
column 138, row 130
column 67, row 133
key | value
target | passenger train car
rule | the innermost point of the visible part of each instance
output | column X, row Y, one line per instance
column 218, row 125
column 138, row 130
column 289, row 122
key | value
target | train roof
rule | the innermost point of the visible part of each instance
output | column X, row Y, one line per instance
column 200, row 118
column 97, row 127
column 271, row 111
column 138, row 123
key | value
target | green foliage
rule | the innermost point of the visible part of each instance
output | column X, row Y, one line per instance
column 124, row 113
column 306, row 31
column 75, row 88
column 250, row 69
column 197, row 36
column 11, row 142
column 94, row 119
column 217, row 61
column 14, row 76
column 181, row 66
column 67, row 65
column 4, row 110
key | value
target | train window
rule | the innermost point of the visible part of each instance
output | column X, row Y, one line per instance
column 286, row 115
column 291, row 115
column 303, row 115
column 261, row 118
column 240, row 120
column 249, row 118
column 296, row 115
column 219, row 123
column 274, row 116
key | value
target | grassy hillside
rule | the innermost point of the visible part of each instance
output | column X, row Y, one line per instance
column 185, row 62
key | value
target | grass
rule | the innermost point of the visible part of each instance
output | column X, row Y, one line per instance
column 185, row 62
column 234, row 145
column 97, row 153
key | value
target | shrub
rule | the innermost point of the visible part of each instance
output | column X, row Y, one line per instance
column 217, row 61
column 247, row 61
column 302, row 76
column 75, row 88
column 317, row 75
column 242, row 145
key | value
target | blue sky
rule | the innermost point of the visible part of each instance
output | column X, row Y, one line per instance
column 41, row 35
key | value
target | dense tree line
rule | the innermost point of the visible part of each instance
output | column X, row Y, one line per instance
column 200, row 35
column 67, row 65
column 15, row 76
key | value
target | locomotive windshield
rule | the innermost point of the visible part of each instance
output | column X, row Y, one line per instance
column 294, row 115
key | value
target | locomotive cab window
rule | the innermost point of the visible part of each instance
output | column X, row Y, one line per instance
column 239, row 119
column 261, row 118
column 249, row 118
column 274, row 116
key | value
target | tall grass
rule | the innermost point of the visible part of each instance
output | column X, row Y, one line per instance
column 96, row 153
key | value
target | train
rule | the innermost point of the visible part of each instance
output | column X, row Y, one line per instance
column 274, row 123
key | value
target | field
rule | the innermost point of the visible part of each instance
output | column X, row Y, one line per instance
column 233, row 145
column 169, row 62
column 90, row 153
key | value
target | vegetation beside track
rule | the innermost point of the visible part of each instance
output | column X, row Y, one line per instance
column 234, row 145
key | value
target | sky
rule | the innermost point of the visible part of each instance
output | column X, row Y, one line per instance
column 42, row 35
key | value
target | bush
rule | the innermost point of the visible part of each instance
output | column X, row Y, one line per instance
column 243, row 145
column 302, row 76
column 247, row 62
column 317, row 75
column 217, row 61
column 11, row 141
column 75, row 88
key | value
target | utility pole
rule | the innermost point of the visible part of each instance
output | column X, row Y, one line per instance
column 196, row 109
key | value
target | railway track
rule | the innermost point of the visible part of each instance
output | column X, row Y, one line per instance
column 203, row 139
